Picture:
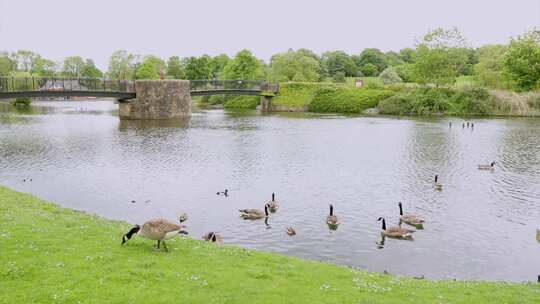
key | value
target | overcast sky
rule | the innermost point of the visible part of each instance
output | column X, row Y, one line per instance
column 96, row 28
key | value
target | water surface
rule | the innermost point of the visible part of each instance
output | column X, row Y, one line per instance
column 481, row 226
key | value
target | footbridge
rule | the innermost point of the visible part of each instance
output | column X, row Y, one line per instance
column 139, row 99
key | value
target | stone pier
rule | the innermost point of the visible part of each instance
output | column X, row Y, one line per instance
column 266, row 103
column 158, row 99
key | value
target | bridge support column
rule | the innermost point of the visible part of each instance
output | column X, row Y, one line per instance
column 158, row 99
column 266, row 103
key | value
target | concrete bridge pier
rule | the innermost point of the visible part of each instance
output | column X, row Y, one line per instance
column 158, row 99
column 266, row 103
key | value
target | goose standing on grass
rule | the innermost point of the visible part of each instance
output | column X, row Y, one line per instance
column 273, row 205
column 254, row 214
column 395, row 232
column 408, row 218
column 436, row 183
column 332, row 220
column 156, row 229
column 491, row 166
column 213, row 237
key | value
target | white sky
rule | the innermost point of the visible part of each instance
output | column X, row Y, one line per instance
column 96, row 28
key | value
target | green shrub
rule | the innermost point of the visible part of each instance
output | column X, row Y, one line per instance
column 242, row 102
column 389, row 76
column 339, row 77
column 22, row 101
column 473, row 100
column 400, row 104
column 346, row 100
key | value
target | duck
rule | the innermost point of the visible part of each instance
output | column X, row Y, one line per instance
column 225, row 193
column 436, row 184
column 332, row 220
column 157, row 229
column 491, row 166
column 254, row 214
column 395, row 232
column 213, row 237
column 273, row 205
column 291, row 231
column 184, row 217
column 411, row 219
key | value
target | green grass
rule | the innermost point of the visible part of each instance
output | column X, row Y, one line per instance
column 347, row 100
column 50, row 254
column 369, row 82
column 242, row 102
column 299, row 94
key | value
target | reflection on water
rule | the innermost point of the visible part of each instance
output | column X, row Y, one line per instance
column 481, row 225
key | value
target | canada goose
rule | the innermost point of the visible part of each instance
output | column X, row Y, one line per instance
column 291, row 231
column 491, row 166
column 156, row 229
column 538, row 235
column 254, row 214
column 395, row 232
column 332, row 220
column 213, row 237
column 184, row 217
column 436, row 184
column 273, row 205
column 411, row 219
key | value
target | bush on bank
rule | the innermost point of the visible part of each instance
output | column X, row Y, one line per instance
column 346, row 100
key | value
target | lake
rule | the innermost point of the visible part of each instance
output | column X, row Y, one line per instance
column 482, row 225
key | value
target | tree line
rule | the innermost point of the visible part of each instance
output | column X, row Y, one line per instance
column 439, row 58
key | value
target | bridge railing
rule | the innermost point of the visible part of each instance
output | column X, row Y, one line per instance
column 251, row 85
column 19, row 84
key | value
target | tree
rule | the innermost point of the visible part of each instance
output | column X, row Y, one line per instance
column 390, row 76
column 151, row 68
column 407, row 55
column 338, row 61
column 73, row 66
column 90, row 70
column 440, row 57
column 294, row 66
column 339, row 77
column 175, row 69
column 197, row 68
column 6, row 65
column 371, row 62
column 244, row 66
column 218, row 64
column 522, row 61
column 489, row 69
column 25, row 59
column 44, row 67
column 122, row 65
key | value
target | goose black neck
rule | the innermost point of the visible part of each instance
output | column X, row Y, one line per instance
column 400, row 209
column 383, row 224
column 436, row 178
column 331, row 210
column 273, row 196
column 132, row 231
column 266, row 210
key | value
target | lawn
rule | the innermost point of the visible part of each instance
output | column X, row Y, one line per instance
column 50, row 254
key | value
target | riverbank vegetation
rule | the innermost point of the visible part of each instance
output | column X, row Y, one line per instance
column 441, row 64
column 52, row 254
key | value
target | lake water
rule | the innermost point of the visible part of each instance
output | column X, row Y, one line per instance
column 482, row 225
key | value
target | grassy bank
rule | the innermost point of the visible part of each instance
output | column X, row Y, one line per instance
column 328, row 97
column 464, row 98
column 230, row 101
column 55, row 255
